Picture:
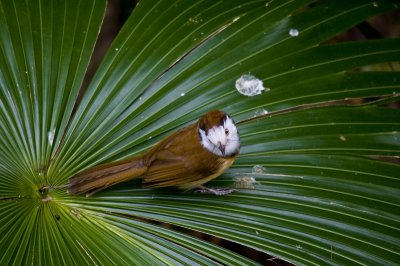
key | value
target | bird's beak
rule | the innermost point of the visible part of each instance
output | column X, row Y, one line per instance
column 222, row 149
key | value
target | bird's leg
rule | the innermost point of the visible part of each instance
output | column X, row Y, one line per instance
column 215, row 191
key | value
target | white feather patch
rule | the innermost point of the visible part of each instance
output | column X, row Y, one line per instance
column 224, row 136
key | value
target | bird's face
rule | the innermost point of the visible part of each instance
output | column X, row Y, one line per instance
column 218, row 134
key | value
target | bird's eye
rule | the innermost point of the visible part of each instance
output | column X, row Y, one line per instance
column 226, row 131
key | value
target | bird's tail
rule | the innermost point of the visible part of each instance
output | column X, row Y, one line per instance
column 100, row 177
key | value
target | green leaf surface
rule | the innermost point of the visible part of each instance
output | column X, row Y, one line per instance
column 44, row 52
column 310, row 189
column 346, row 204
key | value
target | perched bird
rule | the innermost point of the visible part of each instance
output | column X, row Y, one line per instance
column 186, row 159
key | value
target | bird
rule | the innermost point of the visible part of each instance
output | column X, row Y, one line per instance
column 186, row 159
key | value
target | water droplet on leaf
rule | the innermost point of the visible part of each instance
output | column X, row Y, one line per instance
column 294, row 32
column 50, row 136
column 245, row 182
column 258, row 169
column 260, row 112
column 249, row 85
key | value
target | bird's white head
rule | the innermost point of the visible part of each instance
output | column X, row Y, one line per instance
column 218, row 134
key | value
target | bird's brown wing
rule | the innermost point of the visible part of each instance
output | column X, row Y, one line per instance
column 181, row 161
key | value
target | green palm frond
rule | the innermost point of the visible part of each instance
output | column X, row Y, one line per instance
column 311, row 185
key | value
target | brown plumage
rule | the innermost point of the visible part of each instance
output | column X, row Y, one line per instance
column 186, row 159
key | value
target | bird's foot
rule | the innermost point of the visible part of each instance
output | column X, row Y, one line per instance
column 215, row 191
